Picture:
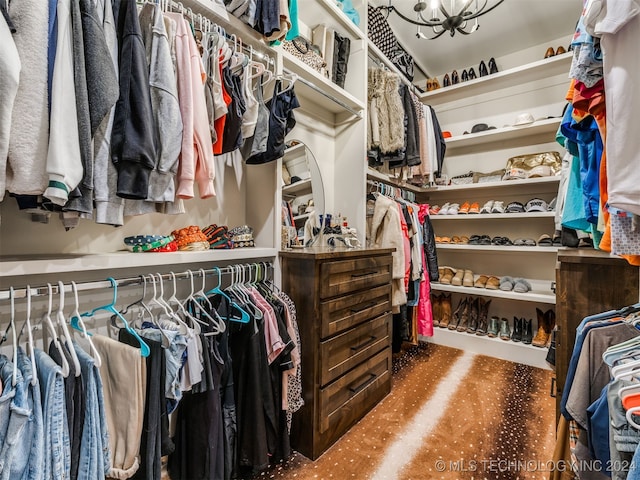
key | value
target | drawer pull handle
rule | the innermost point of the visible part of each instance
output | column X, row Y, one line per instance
column 364, row 274
column 363, row 385
column 361, row 309
column 371, row 339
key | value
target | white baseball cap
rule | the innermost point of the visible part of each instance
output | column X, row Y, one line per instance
column 524, row 119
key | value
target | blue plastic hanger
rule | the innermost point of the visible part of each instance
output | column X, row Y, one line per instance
column 111, row 308
column 244, row 316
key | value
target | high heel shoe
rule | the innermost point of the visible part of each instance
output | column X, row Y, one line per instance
column 465, row 76
column 549, row 53
column 482, row 69
column 493, row 68
column 472, row 74
column 455, row 79
column 445, row 81
column 560, row 50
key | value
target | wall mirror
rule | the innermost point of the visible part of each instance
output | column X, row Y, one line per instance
column 303, row 188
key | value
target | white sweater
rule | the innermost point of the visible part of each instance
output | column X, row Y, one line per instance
column 26, row 173
column 9, row 77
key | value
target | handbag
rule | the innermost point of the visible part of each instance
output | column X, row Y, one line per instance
column 545, row 164
column 306, row 52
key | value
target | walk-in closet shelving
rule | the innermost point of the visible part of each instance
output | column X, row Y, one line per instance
column 484, row 140
column 537, row 87
column 529, row 72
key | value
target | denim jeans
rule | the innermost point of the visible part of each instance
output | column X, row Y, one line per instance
column 95, row 456
column 57, row 453
column 29, row 459
column 14, row 416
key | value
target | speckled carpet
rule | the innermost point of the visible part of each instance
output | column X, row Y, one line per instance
column 450, row 415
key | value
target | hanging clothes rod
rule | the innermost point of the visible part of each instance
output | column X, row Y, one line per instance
column 41, row 290
column 327, row 95
column 395, row 190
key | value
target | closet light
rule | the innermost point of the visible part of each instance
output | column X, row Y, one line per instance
column 457, row 17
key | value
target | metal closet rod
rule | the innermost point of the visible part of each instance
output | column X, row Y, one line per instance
column 41, row 290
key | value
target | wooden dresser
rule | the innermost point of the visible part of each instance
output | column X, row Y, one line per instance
column 587, row 282
column 343, row 302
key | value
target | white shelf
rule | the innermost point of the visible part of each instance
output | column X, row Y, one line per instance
column 301, row 186
column 231, row 24
column 509, row 350
column 326, row 94
column 67, row 263
column 506, row 184
column 313, row 12
column 497, row 248
column 531, row 72
column 489, row 216
column 483, row 140
column 294, row 152
column 537, row 294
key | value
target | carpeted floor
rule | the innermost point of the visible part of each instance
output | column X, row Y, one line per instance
column 450, row 415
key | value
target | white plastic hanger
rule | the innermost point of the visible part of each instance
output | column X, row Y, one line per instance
column 173, row 300
column 54, row 334
column 30, row 345
column 14, row 337
column 216, row 323
column 97, row 359
column 62, row 324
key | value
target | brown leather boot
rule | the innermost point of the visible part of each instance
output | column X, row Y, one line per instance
column 472, row 315
column 445, row 310
column 476, row 307
column 436, row 309
column 483, row 314
column 463, row 315
column 455, row 318
column 550, row 316
column 544, row 332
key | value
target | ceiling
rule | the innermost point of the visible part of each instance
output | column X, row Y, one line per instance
column 513, row 26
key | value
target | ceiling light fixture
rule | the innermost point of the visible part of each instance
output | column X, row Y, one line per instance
column 461, row 15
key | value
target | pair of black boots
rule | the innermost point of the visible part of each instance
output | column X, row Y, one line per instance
column 522, row 330
column 470, row 316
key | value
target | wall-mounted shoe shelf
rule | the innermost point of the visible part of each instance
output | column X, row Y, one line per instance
column 494, row 216
column 485, row 141
column 496, row 248
column 505, row 349
column 530, row 72
column 540, row 292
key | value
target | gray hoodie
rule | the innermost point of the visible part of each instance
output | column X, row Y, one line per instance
column 166, row 110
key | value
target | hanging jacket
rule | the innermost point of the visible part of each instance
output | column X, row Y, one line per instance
column 429, row 243
column 133, row 144
column 386, row 232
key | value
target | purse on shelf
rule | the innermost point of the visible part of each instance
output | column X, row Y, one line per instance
column 306, row 52
column 544, row 164
column 464, row 179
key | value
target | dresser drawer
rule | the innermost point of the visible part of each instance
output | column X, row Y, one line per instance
column 347, row 350
column 344, row 402
column 346, row 276
column 342, row 313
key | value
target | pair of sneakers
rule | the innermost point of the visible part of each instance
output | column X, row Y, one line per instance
column 449, row 209
column 493, row 206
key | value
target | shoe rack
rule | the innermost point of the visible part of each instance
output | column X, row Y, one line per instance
column 537, row 87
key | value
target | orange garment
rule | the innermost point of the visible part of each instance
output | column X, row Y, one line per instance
column 219, row 124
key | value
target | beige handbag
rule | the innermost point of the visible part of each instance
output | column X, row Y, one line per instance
column 545, row 164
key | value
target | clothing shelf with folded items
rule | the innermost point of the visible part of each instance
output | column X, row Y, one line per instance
column 197, row 358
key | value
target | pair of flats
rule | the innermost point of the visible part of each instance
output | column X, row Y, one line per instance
column 493, row 206
column 479, row 240
column 519, row 285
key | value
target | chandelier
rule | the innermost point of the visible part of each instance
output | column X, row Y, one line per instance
column 460, row 16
